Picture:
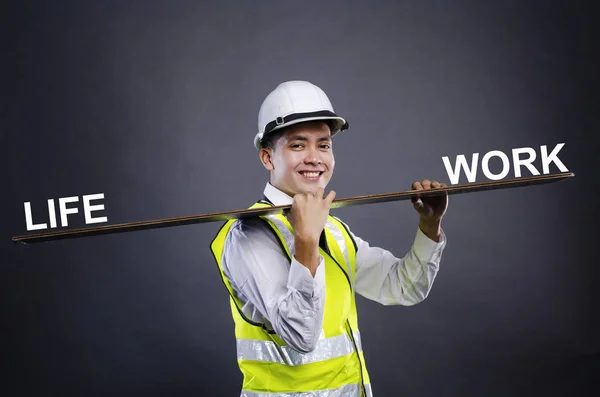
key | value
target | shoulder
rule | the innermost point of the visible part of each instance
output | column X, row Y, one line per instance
column 357, row 241
column 345, row 227
column 344, row 224
column 249, row 234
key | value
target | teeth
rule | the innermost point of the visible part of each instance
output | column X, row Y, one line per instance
column 310, row 174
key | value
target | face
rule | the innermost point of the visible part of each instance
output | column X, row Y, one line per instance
column 302, row 159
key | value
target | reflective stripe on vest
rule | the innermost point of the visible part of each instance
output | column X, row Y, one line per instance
column 268, row 351
column 351, row 390
column 336, row 367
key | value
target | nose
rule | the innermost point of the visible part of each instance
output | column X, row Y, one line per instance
column 313, row 157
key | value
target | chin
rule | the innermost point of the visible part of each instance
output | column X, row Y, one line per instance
column 313, row 188
column 303, row 187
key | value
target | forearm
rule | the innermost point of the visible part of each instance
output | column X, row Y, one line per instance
column 411, row 281
column 406, row 281
column 307, row 253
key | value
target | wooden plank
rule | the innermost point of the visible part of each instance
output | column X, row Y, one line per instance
column 244, row 213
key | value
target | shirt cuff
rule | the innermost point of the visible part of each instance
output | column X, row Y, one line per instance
column 426, row 248
column 301, row 280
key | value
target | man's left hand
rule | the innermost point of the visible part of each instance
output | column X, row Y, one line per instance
column 431, row 209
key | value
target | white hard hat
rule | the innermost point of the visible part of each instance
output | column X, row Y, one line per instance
column 294, row 102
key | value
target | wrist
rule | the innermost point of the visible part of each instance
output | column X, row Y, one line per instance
column 430, row 221
column 307, row 253
column 431, row 227
column 305, row 240
column 306, row 246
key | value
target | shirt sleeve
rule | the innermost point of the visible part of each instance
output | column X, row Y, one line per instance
column 283, row 294
column 389, row 280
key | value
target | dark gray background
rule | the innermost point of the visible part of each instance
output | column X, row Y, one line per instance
column 155, row 104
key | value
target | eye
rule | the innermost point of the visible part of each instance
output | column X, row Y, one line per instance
column 325, row 146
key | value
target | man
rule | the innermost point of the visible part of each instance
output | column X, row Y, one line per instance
column 292, row 277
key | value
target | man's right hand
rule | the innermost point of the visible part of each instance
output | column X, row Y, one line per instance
column 308, row 217
column 309, row 213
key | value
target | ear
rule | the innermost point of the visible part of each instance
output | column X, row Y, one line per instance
column 265, row 158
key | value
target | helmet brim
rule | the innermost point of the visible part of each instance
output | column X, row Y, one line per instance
column 340, row 125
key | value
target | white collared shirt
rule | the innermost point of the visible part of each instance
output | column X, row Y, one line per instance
column 287, row 298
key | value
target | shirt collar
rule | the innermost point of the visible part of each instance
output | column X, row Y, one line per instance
column 276, row 196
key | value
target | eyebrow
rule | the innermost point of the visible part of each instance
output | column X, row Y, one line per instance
column 305, row 138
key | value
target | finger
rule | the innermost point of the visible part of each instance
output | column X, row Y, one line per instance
column 426, row 184
column 320, row 192
column 417, row 203
column 416, row 197
column 444, row 185
column 330, row 197
column 417, row 186
column 435, row 184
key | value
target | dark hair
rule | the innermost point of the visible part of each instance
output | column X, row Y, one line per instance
column 270, row 140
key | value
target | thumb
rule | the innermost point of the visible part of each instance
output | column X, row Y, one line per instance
column 330, row 197
column 417, row 203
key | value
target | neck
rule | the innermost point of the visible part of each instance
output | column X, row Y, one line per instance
column 282, row 189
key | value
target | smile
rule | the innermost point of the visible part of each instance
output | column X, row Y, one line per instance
column 312, row 175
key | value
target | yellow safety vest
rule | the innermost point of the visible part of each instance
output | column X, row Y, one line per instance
column 336, row 368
